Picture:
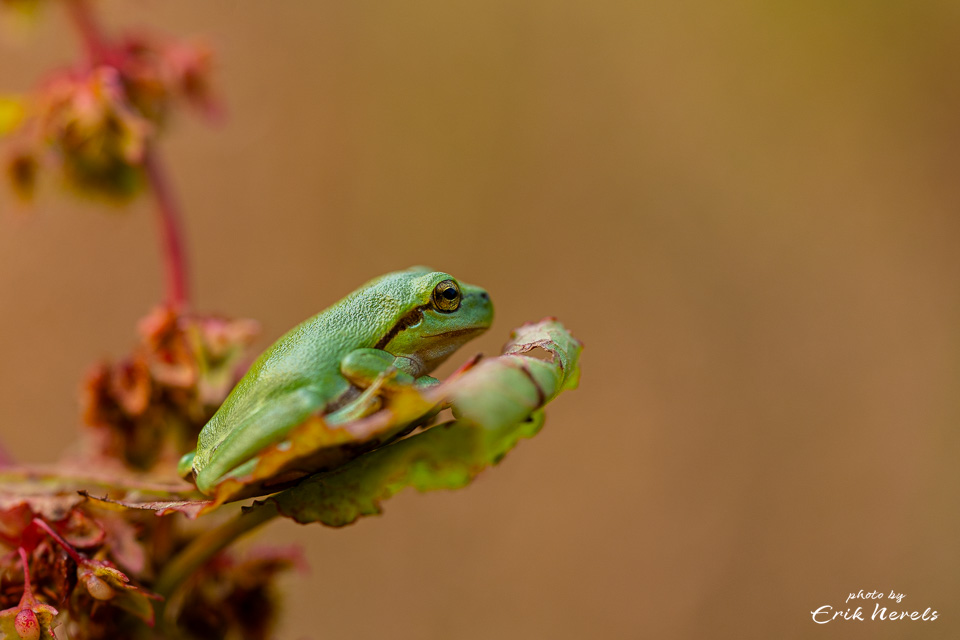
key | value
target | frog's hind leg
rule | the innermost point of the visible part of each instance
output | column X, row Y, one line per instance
column 262, row 427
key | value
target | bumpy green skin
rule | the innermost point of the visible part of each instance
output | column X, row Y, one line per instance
column 324, row 363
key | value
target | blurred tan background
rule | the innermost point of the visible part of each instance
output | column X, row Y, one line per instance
column 748, row 211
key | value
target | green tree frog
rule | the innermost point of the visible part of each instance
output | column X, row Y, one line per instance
column 340, row 363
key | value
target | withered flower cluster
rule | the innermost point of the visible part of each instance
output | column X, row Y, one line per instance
column 91, row 124
column 147, row 409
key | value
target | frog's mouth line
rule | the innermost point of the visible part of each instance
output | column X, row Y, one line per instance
column 455, row 332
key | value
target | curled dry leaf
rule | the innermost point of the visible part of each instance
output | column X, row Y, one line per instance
column 191, row 508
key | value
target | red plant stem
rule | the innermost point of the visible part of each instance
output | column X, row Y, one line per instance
column 63, row 543
column 86, row 25
column 26, row 570
column 170, row 229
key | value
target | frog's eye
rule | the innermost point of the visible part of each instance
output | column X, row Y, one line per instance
column 446, row 296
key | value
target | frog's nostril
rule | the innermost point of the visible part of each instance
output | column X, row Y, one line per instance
column 484, row 295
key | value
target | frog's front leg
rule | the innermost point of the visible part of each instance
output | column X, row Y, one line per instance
column 378, row 373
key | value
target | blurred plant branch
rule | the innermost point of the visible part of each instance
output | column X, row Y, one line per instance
column 96, row 124
column 210, row 543
column 168, row 209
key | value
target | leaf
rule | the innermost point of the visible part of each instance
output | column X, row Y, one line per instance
column 190, row 508
column 80, row 531
column 447, row 456
column 27, row 492
column 52, row 507
column 497, row 403
column 17, row 511
column 61, row 481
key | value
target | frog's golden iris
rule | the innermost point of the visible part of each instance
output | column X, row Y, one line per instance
column 446, row 296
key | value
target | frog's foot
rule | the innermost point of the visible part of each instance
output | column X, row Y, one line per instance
column 185, row 466
column 365, row 367
column 363, row 405
column 426, row 382
column 379, row 374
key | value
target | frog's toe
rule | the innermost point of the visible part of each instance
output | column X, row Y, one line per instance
column 244, row 469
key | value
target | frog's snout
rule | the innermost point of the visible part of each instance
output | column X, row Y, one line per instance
column 477, row 307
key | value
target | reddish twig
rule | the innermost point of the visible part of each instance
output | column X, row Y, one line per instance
column 59, row 539
column 81, row 15
column 26, row 570
column 169, row 229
